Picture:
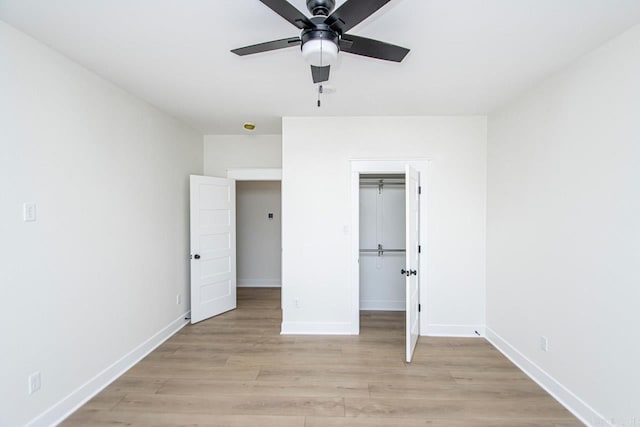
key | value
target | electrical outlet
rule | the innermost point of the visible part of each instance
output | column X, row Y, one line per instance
column 544, row 343
column 296, row 302
column 178, row 299
column 34, row 382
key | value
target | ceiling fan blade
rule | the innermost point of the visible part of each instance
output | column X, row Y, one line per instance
column 267, row 46
column 351, row 13
column 320, row 74
column 289, row 12
column 372, row 48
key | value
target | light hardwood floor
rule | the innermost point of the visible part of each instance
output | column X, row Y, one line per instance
column 237, row 370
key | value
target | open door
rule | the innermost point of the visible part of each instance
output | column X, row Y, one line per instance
column 412, row 200
column 213, row 246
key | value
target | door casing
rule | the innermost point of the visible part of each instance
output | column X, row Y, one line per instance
column 260, row 174
column 363, row 166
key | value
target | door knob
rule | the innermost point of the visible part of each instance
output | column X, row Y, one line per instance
column 412, row 273
column 196, row 256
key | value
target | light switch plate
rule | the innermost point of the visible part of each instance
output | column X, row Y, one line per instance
column 29, row 212
column 34, row 382
column 544, row 343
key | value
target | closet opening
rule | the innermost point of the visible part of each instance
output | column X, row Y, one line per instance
column 386, row 244
column 258, row 234
column 382, row 235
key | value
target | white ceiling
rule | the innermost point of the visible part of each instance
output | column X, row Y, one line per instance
column 467, row 57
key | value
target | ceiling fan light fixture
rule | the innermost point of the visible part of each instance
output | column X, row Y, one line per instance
column 320, row 52
column 325, row 34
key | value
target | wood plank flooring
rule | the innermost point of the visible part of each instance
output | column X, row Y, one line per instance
column 236, row 370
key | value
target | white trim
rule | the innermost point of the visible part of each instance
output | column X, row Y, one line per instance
column 318, row 328
column 385, row 165
column 259, row 283
column 382, row 305
column 355, row 247
column 258, row 174
column 563, row 395
column 255, row 174
column 439, row 330
column 359, row 166
column 67, row 406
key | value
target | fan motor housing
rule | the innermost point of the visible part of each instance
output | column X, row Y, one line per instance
column 320, row 7
column 321, row 31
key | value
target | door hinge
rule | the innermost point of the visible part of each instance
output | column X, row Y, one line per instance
column 419, row 308
column 419, row 189
column 419, row 249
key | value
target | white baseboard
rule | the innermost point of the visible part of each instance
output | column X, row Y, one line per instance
column 67, row 406
column 258, row 283
column 318, row 328
column 439, row 330
column 563, row 395
column 382, row 305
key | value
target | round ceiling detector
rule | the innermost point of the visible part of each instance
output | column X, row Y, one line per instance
column 249, row 126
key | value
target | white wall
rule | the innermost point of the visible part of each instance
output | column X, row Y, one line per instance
column 258, row 238
column 382, row 221
column 223, row 152
column 96, row 276
column 316, row 196
column 564, row 232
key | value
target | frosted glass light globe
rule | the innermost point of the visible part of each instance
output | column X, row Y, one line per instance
column 320, row 52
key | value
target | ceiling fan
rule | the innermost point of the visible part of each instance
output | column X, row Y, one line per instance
column 325, row 34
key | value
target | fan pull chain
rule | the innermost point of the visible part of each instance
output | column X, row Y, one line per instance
column 320, row 89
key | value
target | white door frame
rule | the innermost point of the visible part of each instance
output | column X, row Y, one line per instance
column 383, row 166
column 260, row 174
column 254, row 174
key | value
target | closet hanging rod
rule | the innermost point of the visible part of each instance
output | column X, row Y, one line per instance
column 375, row 184
column 382, row 250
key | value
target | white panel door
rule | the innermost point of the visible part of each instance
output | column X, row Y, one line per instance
column 213, row 246
column 412, row 203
